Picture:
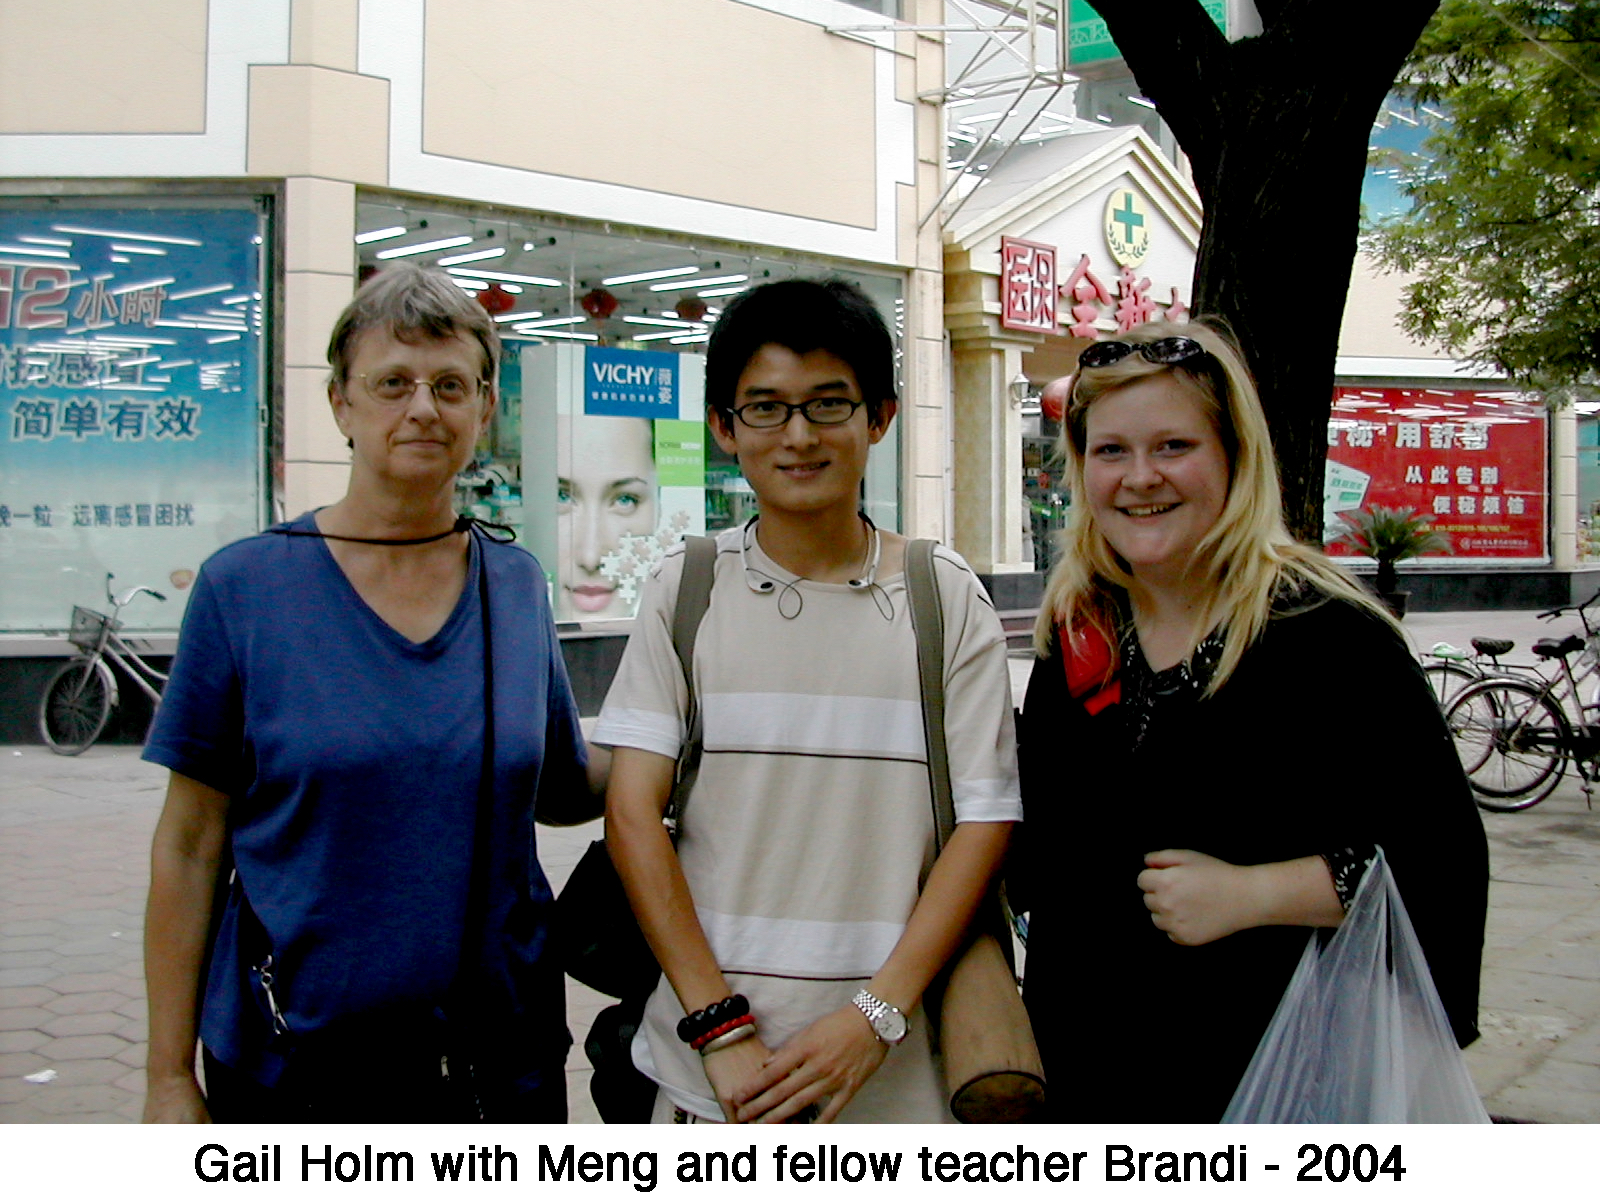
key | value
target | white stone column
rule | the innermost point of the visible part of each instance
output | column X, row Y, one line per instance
column 925, row 411
column 323, row 129
column 1564, row 489
column 988, row 454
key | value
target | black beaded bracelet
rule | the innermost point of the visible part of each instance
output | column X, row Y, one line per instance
column 1347, row 866
column 702, row 1021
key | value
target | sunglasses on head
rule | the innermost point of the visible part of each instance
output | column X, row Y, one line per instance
column 1164, row 351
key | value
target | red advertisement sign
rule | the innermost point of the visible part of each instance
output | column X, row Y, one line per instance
column 1475, row 462
column 1027, row 285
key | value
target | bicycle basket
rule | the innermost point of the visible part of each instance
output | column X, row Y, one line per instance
column 88, row 627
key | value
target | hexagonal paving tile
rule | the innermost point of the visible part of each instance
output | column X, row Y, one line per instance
column 84, row 1046
column 12, row 1041
column 99, row 1022
column 88, row 1002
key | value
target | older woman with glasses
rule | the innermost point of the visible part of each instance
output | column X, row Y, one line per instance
column 1219, row 729
column 364, row 701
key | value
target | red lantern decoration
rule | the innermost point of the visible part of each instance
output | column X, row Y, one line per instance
column 690, row 308
column 1053, row 400
column 598, row 303
column 496, row 299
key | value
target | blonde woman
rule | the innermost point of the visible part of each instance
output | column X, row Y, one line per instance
column 1219, row 728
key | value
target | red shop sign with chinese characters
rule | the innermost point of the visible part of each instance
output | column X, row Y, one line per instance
column 1474, row 462
column 1027, row 285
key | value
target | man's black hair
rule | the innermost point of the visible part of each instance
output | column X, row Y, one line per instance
column 802, row 315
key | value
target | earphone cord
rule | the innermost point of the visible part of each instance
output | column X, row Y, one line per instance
column 790, row 588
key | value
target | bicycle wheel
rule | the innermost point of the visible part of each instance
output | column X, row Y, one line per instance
column 1447, row 680
column 1512, row 741
column 76, row 705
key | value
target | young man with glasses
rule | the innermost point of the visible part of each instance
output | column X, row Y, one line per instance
column 802, row 914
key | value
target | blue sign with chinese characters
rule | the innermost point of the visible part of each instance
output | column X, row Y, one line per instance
column 630, row 383
column 130, row 401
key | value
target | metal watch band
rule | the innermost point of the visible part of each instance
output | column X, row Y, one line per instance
column 882, row 1016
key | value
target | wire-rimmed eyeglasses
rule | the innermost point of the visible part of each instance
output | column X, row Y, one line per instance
column 819, row 410
column 390, row 387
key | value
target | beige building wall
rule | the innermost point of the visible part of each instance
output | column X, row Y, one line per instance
column 699, row 98
column 102, row 66
column 1372, row 308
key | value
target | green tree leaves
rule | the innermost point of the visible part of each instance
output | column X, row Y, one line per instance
column 1504, row 233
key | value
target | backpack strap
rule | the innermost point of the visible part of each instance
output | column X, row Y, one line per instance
column 927, row 623
column 694, row 597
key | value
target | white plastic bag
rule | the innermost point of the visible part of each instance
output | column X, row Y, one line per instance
column 1360, row 1035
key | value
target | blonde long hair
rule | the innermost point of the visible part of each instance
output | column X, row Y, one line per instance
column 1248, row 556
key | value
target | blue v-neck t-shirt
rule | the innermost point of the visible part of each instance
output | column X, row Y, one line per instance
column 352, row 757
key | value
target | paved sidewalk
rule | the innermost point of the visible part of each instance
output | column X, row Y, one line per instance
column 74, row 852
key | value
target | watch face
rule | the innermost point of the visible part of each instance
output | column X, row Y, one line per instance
column 890, row 1025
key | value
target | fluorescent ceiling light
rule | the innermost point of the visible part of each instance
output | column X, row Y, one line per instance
column 37, row 241
column 518, row 316
column 699, row 283
column 1141, row 102
column 423, row 247
column 122, row 233
column 668, row 333
column 562, row 333
column 679, row 341
column 35, row 250
column 548, row 321
column 471, row 285
column 677, row 322
column 200, row 325
column 665, row 273
column 472, row 256
column 128, row 249
column 378, row 235
column 193, row 292
column 139, row 287
column 723, row 291
column 541, row 280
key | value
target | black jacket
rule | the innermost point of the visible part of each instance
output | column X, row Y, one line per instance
column 1325, row 736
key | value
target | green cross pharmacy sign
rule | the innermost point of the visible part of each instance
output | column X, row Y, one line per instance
column 1127, row 227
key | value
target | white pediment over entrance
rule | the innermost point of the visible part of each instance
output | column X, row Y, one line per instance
column 1057, row 193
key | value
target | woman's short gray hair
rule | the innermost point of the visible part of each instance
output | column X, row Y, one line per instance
column 411, row 303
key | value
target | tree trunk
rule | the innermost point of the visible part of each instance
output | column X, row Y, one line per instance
column 1276, row 130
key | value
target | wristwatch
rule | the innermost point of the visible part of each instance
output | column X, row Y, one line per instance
column 888, row 1023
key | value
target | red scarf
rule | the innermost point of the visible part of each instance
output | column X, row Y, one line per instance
column 1090, row 663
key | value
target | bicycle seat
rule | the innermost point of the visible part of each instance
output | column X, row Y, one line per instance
column 1550, row 648
column 1492, row 646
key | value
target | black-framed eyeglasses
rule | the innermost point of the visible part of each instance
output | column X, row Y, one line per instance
column 819, row 410
column 390, row 387
column 1164, row 351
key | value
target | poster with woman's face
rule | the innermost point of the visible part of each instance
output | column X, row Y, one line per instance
column 606, row 491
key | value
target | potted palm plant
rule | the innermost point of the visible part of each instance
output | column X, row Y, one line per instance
column 1387, row 536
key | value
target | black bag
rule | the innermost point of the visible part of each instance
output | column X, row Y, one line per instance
column 601, row 943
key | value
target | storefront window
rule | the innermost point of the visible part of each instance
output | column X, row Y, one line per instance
column 131, row 380
column 1476, row 463
column 599, row 454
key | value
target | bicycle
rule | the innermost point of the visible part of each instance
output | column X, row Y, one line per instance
column 78, row 700
column 1515, row 734
column 1452, row 669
